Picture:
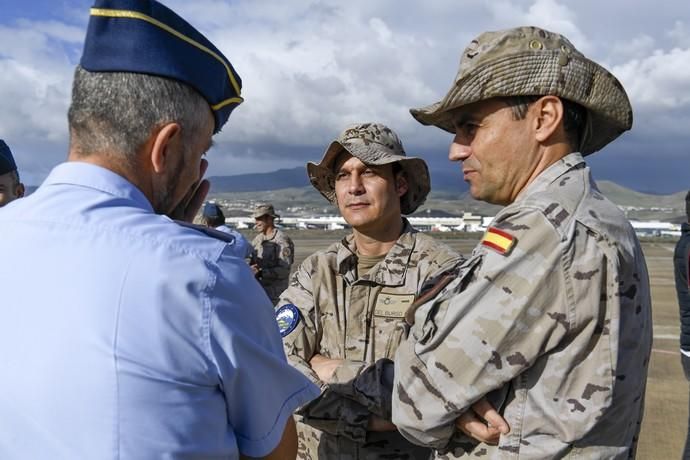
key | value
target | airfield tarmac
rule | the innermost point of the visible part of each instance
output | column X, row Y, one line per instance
column 666, row 409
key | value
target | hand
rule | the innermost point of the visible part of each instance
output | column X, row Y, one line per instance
column 188, row 208
column 324, row 367
column 255, row 269
column 482, row 423
column 376, row 423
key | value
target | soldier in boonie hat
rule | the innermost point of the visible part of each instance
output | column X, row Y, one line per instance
column 368, row 280
column 559, row 264
column 372, row 144
column 274, row 252
column 264, row 210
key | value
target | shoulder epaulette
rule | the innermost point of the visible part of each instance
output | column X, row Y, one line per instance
column 213, row 233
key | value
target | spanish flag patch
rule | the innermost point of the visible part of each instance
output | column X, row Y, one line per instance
column 498, row 240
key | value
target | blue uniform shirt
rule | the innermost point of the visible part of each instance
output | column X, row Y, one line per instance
column 124, row 335
column 241, row 247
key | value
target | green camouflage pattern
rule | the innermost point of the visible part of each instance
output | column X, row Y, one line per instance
column 274, row 255
column 557, row 332
column 357, row 318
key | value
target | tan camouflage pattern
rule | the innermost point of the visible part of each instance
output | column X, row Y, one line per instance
column 529, row 61
column 358, row 319
column 275, row 255
column 264, row 210
column 557, row 332
column 372, row 144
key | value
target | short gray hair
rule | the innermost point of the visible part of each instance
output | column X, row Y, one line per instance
column 574, row 116
column 117, row 111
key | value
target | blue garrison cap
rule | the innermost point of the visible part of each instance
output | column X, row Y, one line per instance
column 143, row 36
column 212, row 210
column 7, row 163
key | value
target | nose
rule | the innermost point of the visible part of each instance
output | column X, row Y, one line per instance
column 356, row 185
column 459, row 149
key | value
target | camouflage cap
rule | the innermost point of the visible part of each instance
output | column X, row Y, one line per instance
column 528, row 61
column 264, row 210
column 372, row 144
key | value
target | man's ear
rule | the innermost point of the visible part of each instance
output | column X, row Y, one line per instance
column 401, row 185
column 160, row 143
column 19, row 190
column 548, row 116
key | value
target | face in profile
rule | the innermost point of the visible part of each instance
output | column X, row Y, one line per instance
column 495, row 149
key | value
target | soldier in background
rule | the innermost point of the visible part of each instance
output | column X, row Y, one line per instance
column 11, row 187
column 274, row 252
column 345, row 306
column 681, row 265
column 212, row 216
column 551, row 316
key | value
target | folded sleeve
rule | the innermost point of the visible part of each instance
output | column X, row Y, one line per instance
column 503, row 311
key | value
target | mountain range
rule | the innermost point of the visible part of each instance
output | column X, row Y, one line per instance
column 289, row 189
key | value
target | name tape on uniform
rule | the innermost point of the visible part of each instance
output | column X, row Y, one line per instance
column 392, row 305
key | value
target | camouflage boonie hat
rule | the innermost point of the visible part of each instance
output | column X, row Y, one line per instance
column 528, row 61
column 264, row 210
column 373, row 144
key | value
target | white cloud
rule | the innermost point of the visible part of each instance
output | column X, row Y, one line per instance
column 310, row 67
column 35, row 79
column 658, row 82
column 637, row 48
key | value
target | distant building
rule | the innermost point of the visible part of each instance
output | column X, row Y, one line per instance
column 655, row 228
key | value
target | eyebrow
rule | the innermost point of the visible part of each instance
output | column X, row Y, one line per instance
column 460, row 118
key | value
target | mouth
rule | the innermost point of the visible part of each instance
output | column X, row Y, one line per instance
column 466, row 173
column 357, row 205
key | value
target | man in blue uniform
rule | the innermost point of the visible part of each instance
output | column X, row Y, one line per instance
column 681, row 265
column 212, row 217
column 123, row 334
column 11, row 187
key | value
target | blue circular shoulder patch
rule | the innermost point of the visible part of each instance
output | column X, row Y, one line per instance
column 288, row 317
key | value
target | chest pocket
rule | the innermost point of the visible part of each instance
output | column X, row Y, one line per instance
column 389, row 321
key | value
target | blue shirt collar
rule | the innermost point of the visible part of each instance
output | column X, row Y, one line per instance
column 98, row 178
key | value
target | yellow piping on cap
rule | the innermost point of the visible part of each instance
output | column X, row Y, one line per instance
column 136, row 15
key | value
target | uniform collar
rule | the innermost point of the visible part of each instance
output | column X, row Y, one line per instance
column 552, row 173
column 98, row 178
column 390, row 271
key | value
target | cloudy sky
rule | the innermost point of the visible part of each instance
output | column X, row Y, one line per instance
column 311, row 67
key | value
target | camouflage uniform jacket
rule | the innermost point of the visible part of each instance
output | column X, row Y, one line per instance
column 359, row 320
column 556, row 330
column 274, row 255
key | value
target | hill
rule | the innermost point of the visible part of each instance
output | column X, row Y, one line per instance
column 290, row 192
